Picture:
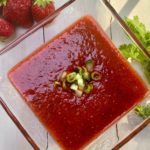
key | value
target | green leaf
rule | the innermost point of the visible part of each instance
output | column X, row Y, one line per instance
column 132, row 51
column 143, row 111
column 137, row 27
column 42, row 3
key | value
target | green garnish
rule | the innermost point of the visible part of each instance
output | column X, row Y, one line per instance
column 79, row 79
column 88, row 88
column 78, row 70
column 80, row 82
column 143, row 111
column 89, row 65
column 74, row 87
column 95, row 75
column 133, row 52
column 86, row 74
column 71, row 77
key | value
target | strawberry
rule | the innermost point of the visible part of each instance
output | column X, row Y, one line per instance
column 1, row 7
column 42, row 8
column 19, row 12
column 6, row 28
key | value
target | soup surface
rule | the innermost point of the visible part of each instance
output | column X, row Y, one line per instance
column 75, row 121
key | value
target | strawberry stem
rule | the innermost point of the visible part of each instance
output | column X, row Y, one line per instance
column 42, row 3
column 3, row 2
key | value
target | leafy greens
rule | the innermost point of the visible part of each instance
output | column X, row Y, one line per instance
column 133, row 52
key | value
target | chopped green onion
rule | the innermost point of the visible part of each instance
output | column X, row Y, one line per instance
column 78, row 93
column 80, row 84
column 78, row 76
column 56, row 83
column 84, row 69
column 63, row 76
column 74, row 87
column 80, row 81
column 95, row 76
column 89, row 65
column 71, row 77
column 78, row 70
column 88, row 88
column 85, row 74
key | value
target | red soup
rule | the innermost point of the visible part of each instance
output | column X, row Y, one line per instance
column 74, row 121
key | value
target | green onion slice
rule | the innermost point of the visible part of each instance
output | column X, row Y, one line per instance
column 81, row 84
column 89, row 65
column 85, row 74
column 78, row 70
column 71, row 77
column 80, row 81
column 74, row 87
column 88, row 88
column 95, row 76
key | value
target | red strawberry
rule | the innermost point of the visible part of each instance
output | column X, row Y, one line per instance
column 42, row 8
column 6, row 28
column 19, row 12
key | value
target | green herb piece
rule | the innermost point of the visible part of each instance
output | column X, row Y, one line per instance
column 71, row 77
column 137, row 27
column 89, row 65
column 74, row 87
column 143, row 111
column 95, row 75
column 63, row 75
column 80, row 82
column 132, row 51
column 88, row 88
column 78, row 70
column 85, row 74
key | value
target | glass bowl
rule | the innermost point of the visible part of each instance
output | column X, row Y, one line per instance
column 18, row 110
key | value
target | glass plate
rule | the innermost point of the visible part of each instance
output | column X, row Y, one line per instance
column 37, row 134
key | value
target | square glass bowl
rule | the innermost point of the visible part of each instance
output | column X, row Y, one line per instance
column 31, row 127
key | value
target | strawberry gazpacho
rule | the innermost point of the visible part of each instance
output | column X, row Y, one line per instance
column 78, row 84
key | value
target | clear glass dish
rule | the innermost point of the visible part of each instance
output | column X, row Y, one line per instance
column 37, row 134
